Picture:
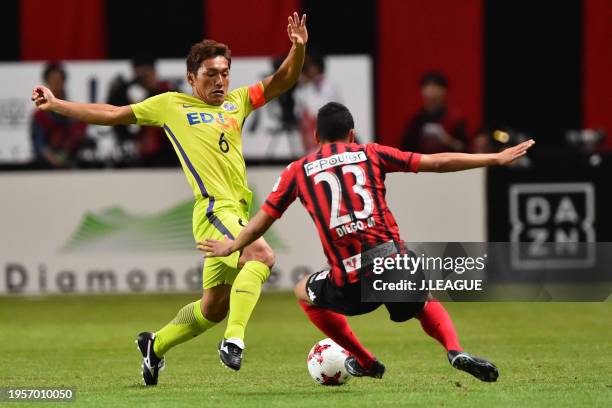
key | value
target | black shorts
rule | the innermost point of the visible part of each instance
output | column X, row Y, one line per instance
column 347, row 299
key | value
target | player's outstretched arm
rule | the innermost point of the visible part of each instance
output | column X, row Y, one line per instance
column 445, row 162
column 93, row 113
column 254, row 229
column 288, row 73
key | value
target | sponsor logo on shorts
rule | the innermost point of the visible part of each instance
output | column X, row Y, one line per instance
column 352, row 263
column 311, row 295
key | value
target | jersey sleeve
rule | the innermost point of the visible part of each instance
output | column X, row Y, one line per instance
column 256, row 95
column 283, row 193
column 393, row 160
column 152, row 111
column 249, row 98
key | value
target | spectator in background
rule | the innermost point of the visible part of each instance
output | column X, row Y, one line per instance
column 152, row 147
column 436, row 127
column 55, row 138
column 313, row 91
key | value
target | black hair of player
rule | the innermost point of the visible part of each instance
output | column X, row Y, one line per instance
column 334, row 121
column 53, row 66
column 434, row 78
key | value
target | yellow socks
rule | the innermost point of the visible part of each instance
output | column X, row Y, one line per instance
column 188, row 323
column 244, row 296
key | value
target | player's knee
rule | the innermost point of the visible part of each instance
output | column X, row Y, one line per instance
column 297, row 291
column 269, row 258
column 264, row 254
column 300, row 289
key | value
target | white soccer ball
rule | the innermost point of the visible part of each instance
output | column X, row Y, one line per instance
column 326, row 363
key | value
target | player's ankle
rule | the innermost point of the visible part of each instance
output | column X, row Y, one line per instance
column 366, row 363
column 236, row 341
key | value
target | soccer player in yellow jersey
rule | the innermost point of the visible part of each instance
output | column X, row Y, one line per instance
column 206, row 129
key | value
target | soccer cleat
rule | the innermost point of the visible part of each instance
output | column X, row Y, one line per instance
column 151, row 364
column 479, row 367
column 230, row 354
column 356, row 370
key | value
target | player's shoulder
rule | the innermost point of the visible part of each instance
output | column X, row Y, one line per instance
column 161, row 98
column 237, row 93
column 235, row 99
column 369, row 148
column 294, row 165
column 298, row 165
column 377, row 148
column 179, row 103
column 179, row 96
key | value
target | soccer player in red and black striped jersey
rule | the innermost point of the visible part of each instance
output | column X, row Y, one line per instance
column 342, row 186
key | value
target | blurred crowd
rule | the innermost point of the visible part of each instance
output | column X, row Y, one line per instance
column 60, row 142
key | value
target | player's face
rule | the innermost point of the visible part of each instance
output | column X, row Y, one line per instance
column 212, row 80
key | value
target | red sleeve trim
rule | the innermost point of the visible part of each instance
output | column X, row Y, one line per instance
column 415, row 161
column 267, row 208
column 256, row 95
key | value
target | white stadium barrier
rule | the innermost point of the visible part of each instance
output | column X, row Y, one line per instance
column 129, row 231
column 264, row 137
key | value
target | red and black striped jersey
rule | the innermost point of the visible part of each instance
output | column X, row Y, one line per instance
column 342, row 186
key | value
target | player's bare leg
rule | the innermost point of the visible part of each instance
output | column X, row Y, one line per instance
column 437, row 323
column 191, row 320
column 255, row 262
column 361, row 362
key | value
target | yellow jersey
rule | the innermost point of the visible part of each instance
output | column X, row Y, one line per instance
column 207, row 140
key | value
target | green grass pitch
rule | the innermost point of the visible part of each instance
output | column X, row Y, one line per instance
column 549, row 354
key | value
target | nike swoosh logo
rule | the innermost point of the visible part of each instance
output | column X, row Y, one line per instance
column 241, row 222
column 147, row 361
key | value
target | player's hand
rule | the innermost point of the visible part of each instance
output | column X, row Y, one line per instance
column 296, row 29
column 43, row 98
column 511, row 154
column 213, row 248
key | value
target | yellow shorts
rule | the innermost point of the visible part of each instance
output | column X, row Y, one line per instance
column 224, row 220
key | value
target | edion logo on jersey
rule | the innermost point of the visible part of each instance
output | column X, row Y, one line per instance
column 559, row 213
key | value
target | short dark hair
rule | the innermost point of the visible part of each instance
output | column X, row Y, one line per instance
column 203, row 50
column 434, row 78
column 53, row 66
column 334, row 121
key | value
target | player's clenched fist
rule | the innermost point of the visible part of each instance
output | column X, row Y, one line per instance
column 43, row 98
